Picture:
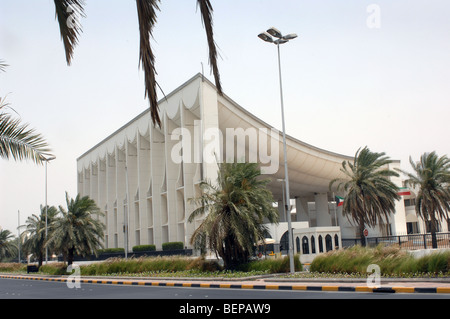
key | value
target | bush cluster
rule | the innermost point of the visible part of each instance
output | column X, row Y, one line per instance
column 144, row 248
column 170, row 265
column 174, row 245
column 111, row 250
column 12, row 267
column 147, row 264
column 167, row 264
column 55, row 269
column 273, row 266
column 392, row 262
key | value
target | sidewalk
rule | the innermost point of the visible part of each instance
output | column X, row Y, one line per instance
column 390, row 285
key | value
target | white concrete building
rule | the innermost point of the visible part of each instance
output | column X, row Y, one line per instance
column 152, row 172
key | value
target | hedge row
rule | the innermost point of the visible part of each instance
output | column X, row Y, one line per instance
column 176, row 245
column 144, row 248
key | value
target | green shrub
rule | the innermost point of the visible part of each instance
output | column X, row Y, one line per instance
column 12, row 267
column 144, row 248
column 137, row 265
column 272, row 265
column 111, row 250
column 203, row 265
column 55, row 269
column 392, row 261
column 439, row 263
column 171, row 264
column 174, row 245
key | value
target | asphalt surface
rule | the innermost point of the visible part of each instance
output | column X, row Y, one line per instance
column 33, row 285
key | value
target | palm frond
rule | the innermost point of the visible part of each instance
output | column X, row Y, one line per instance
column 146, row 10
column 432, row 176
column 67, row 13
column 206, row 11
column 20, row 142
column 3, row 65
column 236, row 205
column 370, row 194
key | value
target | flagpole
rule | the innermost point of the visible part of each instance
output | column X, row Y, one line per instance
column 335, row 209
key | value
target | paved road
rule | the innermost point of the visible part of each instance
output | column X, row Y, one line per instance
column 32, row 289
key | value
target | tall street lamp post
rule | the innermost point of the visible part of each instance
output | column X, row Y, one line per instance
column 46, row 206
column 274, row 36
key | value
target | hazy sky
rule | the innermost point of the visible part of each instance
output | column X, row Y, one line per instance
column 373, row 73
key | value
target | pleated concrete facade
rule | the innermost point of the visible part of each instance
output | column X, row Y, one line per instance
column 152, row 172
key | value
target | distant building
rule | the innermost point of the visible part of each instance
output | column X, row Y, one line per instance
column 152, row 172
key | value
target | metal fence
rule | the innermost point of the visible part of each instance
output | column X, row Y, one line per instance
column 409, row 242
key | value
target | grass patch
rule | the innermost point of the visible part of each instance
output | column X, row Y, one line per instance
column 167, row 266
column 148, row 265
column 55, row 269
column 12, row 267
column 175, row 266
column 272, row 265
column 392, row 261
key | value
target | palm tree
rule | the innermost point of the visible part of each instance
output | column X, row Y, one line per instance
column 236, row 206
column 7, row 248
column 3, row 65
column 16, row 139
column 70, row 29
column 34, row 237
column 78, row 231
column 432, row 176
column 370, row 194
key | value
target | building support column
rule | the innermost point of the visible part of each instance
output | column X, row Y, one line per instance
column 301, row 205
column 322, row 213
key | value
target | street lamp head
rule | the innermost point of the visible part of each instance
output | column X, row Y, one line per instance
column 280, row 41
column 265, row 37
column 274, row 32
column 290, row 36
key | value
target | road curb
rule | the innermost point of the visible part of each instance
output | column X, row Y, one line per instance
column 263, row 286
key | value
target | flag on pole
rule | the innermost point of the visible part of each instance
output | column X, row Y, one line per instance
column 339, row 200
column 404, row 191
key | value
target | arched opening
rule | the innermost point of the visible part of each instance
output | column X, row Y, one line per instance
column 313, row 245
column 328, row 243
column 336, row 241
column 284, row 243
column 305, row 245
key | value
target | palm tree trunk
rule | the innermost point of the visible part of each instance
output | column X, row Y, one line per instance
column 40, row 260
column 361, row 234
column 226, row 253
column 70, row 256
column 433, row 232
